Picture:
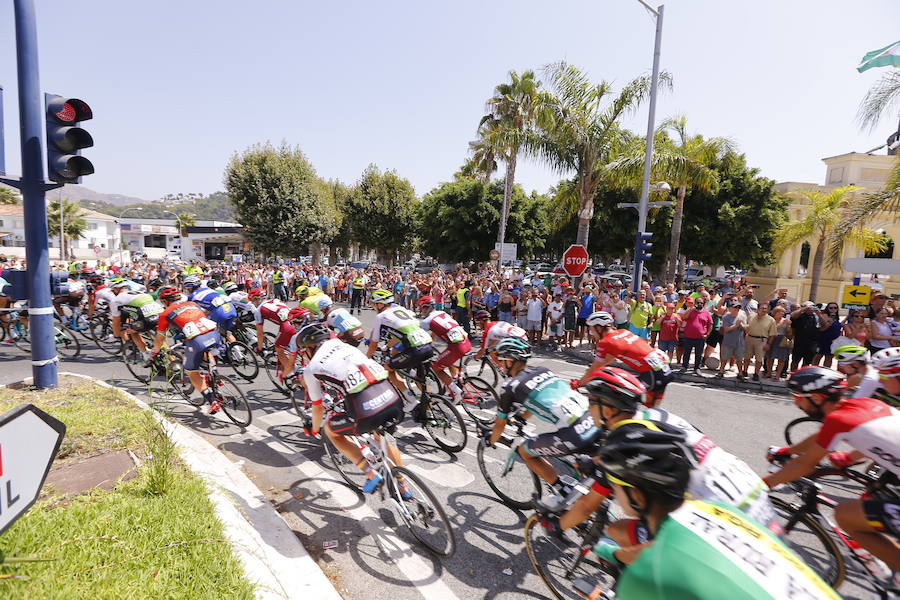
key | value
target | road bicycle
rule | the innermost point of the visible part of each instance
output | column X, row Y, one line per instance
column 801, row 428
column 484, row 368
column 815, row 536
column 101, row 331
column 67, row 346
column 226, row 395
column 420, row 511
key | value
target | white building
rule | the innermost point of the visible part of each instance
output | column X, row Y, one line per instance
column 101, row 237
column 160, row 238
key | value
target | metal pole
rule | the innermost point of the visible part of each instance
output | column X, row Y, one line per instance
column 62, row 229
column 643, row 208
column 2, row 137
column 40, row 309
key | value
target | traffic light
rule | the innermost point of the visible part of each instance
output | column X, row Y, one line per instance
column 65, row 138
column 59, row 283
column 644, row 246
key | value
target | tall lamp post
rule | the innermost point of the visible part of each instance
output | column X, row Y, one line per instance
column 644, row 205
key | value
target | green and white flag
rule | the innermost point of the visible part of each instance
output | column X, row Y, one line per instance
column 889, row 56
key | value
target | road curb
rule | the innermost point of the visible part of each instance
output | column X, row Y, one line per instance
column 273, row 558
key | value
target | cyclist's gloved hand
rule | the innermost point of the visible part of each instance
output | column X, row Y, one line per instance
column 775, row 453
column 575, row 384
column 841, row 460
column 551, row 524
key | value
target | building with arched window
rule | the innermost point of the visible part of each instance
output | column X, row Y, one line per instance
column 793, row 269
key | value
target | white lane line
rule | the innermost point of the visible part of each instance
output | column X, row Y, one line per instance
column 417, row 571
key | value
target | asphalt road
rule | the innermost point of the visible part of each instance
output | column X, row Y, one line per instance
column 374, row 557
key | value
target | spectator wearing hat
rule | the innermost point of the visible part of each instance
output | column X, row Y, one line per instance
column 805, row 325
column 668, row 323
column 731, row 330
column 877, row 302
column 697, row 326
column 761, row 332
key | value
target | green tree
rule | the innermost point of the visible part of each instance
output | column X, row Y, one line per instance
column 514, row 108
column 279, row 199
column 74, row 224
column 7, row 196
column 482, row 162
column 584, row 130
column 826, row 211
column 459, row 220
column 183, row 221
column 380, row 212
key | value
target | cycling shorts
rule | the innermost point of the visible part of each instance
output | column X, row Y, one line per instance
column 225, row 324
column 577, row 437
column 655, row 382
column 143, row 323
column 285, row 332
column 217, row 315
column 196, row 347
column 246, row 317
column 883, row 515
column 376, row 406
column 352, row 337
column 452, row 354
column 411, row 358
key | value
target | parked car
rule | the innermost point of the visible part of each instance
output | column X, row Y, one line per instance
column 359, row 264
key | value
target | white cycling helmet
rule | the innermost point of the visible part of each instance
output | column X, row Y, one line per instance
column 887, row 362
column 600, row 318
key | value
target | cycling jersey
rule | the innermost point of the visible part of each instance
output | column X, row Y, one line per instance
column 217, row 306
column 134, row 306
column 395, row 324
column 495, row 331
column 444, row 327
column 867, row 424
column 869, row 384
column 338, row 365
column 539, row 391
column 274, row 311
column 311, row 303
column 186, row 318
column 709, row 551
column 635, row 352
column 104, row 294
column 246, row 310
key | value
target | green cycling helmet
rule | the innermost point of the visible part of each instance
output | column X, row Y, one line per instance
column 851, row 353
column 513, row 347
column 382, row 297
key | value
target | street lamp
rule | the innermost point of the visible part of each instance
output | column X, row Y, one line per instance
column 643, row 206
column 122, row 216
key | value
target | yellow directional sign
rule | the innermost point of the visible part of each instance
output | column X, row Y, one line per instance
column 856, row 294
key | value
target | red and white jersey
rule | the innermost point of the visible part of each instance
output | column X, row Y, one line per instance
column 498, row 330
column 867, row 424
column 104, row 294
column 273, row 310
column 444, row 327
column 633, row 350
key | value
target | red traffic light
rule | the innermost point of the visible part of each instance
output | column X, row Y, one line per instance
column 68, row 110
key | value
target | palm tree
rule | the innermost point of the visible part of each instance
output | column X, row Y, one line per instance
column 74, row 224
column 7, row 196
column 183, row 221
column 583, row 130
column 514, row 108
column 483, row 160
column 827, row 210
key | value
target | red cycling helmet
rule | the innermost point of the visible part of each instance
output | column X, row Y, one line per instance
column 481, row 315
column 168, row 293
column 426, row 301
column 616, row 388
column 298, row 313
column 255, row 293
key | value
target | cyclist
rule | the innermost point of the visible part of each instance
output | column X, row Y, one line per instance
column 217, row 306
column 153, row 287
column 97, row 290
column 304, row 291
column 243, row 302
column 537, row 391
column 369, row 401
column 636, row 353
column 188, row 320
column 616, row 398
column 445, row 328
column 492, row 332
column 75, row 292
column 407, row 343
column 275, row 311
column 887, row 363
column 138, row 310
column 695, row 549
column 348, row 328
column 299, row 318
column 856, row 363
column 872, row 428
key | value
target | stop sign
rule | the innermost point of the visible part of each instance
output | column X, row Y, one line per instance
column 575, row 260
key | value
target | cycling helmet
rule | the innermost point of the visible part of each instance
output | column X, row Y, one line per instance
column 313, row 334
column 302, row 291
column 323, row 302
column 191, row 282
column 653, row 457
column 851, row 353
column 616, row 388
column 887, row 362
column 169, row 293
column 121, row 285
column 600, row 318
column 425, row 301
column 382, row 297
column 95, row 279
column 212, row 283
column 231, row 287
column 513, row 347
column 255, row 293
column 298, row 313
column 481, row 315
column 816, row 380
column 154, row 283
column 116, row 279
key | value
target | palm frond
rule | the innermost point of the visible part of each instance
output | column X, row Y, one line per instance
column 883, row 98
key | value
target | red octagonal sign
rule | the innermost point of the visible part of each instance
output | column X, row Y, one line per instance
column 575, row 260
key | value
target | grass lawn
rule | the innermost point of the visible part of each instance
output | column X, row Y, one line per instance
column 155, row 536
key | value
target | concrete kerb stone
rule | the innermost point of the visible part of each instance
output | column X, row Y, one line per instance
column 273, row 558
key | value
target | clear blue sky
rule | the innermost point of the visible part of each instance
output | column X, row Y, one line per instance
column 177, row 87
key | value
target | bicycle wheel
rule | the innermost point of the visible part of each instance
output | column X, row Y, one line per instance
column 444, row 424
column 135, row 363
column 233, row 401
column 810, row 541
column 424, row 515
column 346, row 469
column 479, row 400
column 559, row 564
column 67, row 345
column 20, row 336
column 482, row 368
column 270, row 363
column 432, row 384
column 242, row 359
column 180, row 381
column 101, row 332
column 518, row 486
column 801, row 428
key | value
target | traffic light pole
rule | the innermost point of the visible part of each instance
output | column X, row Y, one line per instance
column 33, row 188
